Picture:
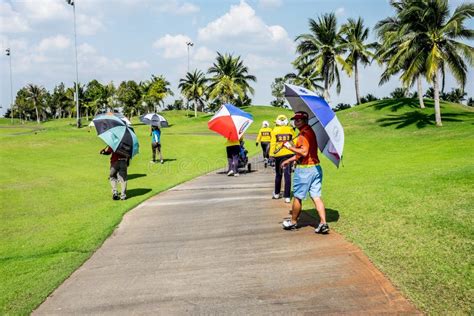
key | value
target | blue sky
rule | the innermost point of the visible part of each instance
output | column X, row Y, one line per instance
column 133, row 39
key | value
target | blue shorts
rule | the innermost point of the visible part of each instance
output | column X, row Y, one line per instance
column 307, row 180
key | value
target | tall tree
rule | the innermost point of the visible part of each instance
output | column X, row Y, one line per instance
column 129, row 97
column 154, row 91
column 429, row 40
column 388, row 31
column 305, row 76
column 59, row 100
column 278, row 91
column 95, row 97
column 230, row 79
column 322, row 50
column 35, row 95
column 70, row 93
column 193, row 87
column 22, row 104
column 110, row 95
column 354, row 40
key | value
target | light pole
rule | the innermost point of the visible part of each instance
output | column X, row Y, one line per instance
column 190, row 44
column 8, row 52
column 72, row 2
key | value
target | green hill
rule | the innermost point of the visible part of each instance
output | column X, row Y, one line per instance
column 404, row 195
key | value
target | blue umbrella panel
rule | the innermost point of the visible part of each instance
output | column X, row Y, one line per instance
column 117, row 135
column 329, row 131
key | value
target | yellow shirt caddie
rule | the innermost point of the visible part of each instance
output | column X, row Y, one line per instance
column 264, row 135
column 280, row 135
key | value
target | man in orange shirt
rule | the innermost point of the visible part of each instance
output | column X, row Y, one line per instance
column 308, row 173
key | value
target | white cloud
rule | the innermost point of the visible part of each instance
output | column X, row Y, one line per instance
column 270, row 4
column 177, row 7
column 33, row 12
column 204, row 54
column 137, row 65
column 340, row 12
column 172, row 46
column 15, row 44
column 86, row 49
column 88, row 25
column 243, row 27
column 44, row 9
column 257, row 62
column 11, row 21
column 58, row 42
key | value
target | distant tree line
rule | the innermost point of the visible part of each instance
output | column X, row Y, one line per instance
column 227, row 81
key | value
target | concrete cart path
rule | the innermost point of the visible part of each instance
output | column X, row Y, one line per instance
column 214, row 245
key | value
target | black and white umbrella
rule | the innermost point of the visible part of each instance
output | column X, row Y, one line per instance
column 154, row 119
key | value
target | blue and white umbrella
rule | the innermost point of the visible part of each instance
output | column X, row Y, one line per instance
column 116, row 134
column 323, row 120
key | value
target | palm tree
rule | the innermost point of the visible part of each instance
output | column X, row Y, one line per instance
column 95, row 97
column 230, row 78
column 428, row 41
column 354, row 37
column 193, row 88
column 388, row 31
column 322, row 50
column 35, row 95
column 305, row 76
column 154, row 91
column 59, row 100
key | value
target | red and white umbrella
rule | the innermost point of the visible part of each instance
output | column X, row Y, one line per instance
column 230, row 122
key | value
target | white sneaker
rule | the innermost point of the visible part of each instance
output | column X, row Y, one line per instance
column 287, row 200
column 236, row 175
column 230, row 173
column 275, row 196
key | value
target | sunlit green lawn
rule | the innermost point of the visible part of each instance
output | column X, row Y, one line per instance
column 56, row 205
column 404, row 195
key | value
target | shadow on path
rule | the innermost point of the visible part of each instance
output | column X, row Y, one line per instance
column 309, row 217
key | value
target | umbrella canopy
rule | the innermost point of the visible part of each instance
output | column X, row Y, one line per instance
column 119, row 115
column 154, row 119
column 322, row 119
column 116, row 134
column 230, row 121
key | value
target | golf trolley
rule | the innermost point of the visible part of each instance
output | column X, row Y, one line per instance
column 243, row 158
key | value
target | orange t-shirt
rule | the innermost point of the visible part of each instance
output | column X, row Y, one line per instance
column 307, row 139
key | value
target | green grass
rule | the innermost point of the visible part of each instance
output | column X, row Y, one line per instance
column 55, row 200
column 404, row 195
